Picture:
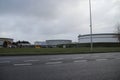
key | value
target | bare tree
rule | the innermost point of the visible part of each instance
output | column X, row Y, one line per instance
column 118, row 32
column 5, row 44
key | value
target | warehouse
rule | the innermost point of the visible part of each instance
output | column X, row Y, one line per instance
column 99, row 38
column 56, row 42
column 52, row 43
column 2, row 40
column 39, row 44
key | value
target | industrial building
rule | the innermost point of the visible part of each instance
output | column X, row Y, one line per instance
column 2, row 40
column 54, row 43
column 99, row 38
column 40, row 44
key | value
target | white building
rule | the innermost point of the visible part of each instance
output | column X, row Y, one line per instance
column 23, row 44
column 103, row 37
column 56, row 42
column 2, row 40
column 42, row 43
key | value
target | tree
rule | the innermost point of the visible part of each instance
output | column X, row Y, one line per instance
column 5, row 44
column 118, row 32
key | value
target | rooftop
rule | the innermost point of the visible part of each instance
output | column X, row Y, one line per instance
column 100, row 34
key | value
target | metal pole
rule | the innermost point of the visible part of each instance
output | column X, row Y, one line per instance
column 91, row 41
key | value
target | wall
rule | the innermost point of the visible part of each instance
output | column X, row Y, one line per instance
column 56, row 42
column 98, row 38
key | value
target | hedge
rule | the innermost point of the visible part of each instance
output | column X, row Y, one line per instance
column 88, row 45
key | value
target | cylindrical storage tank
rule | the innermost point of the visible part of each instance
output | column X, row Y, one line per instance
column 104, row 37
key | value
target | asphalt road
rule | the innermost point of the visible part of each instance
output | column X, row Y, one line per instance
column 104, row 66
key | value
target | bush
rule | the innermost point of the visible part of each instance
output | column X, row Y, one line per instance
column 77, row 45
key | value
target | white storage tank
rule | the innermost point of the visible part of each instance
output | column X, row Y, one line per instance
column 103, row 37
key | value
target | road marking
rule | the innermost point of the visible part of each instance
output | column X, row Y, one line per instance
column 101, row 59
column 31, row 60
column 77, row 57
column 80, row 61
column 53, row 62
column 24, row 64
column 57, row 59
column 95, row 56
column 5, row 62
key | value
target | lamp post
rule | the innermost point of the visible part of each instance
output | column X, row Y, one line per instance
column 91, row 40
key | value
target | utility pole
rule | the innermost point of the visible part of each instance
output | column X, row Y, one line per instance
column 91, row 40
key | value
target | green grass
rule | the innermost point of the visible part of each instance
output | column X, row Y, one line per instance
column 46, row 51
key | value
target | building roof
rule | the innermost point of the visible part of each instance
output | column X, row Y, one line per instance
column 7, row 38
column 59, row 40
column 99, row 34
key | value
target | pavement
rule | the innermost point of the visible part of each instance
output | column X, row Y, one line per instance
column 100, row 66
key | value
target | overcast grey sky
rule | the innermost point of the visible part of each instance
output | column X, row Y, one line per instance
column 39, row 20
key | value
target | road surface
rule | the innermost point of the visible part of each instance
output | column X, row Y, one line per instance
column 103, row 66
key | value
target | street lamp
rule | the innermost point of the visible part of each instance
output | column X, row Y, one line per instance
column 91, row 40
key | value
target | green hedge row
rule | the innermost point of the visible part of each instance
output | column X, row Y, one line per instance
column 88, row 45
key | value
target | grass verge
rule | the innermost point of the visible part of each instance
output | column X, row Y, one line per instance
column 54, row 51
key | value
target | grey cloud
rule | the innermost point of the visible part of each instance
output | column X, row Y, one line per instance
column 47, row 19
column 39, row 8
column 13, row 6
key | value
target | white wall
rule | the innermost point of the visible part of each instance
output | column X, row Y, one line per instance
column 98, row 38
column 56, row 42
column 1, row 42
